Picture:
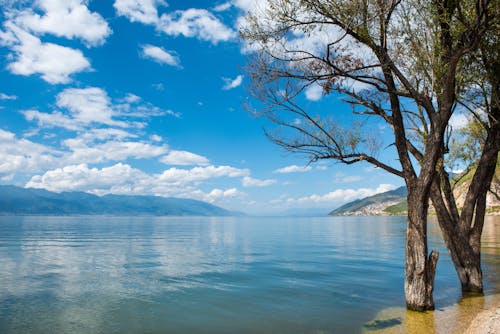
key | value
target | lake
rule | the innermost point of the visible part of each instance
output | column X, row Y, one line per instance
column 219, row 275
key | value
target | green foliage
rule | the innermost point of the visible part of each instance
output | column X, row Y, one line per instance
column 466, row 144
column 400, row 209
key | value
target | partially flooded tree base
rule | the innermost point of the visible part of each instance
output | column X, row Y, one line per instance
column 473, row 289
column 419, row 285
column 420, row 308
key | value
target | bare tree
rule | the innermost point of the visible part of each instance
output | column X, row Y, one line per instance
column 400, row 62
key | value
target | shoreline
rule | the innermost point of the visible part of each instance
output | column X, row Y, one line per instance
column 488, row 320
column 471, row 315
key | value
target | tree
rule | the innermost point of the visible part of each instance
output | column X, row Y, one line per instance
column 403, row 63
column 481, row 98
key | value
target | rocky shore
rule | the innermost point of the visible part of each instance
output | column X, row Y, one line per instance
column 487, row 321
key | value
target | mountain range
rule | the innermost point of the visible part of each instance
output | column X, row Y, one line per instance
column 29, row 201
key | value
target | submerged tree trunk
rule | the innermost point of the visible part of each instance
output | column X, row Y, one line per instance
column 462, row 231
column 420, row 269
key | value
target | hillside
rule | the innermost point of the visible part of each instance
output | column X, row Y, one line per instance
column 16, row 200
column 372, row 205
column 394, row 202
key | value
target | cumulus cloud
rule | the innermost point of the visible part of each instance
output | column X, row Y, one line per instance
column 88, row 105
column 293, row 169
column 198, row 174
column 192, row 22
column 54, row 119
column 143, row 11
column 91, row 106
column 232, row 83
column 123, row 179
column 65, row 18
column 215, row 194
column 198, row 23
column 341, row 196
column 113, row 150
column 183, row 158
column 251, row 182
column 18, row 155
column 161, row 56
column 82, row 178
column 21, row 156
column 54, row 63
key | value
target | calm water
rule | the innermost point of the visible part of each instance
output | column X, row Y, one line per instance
column 212, row 275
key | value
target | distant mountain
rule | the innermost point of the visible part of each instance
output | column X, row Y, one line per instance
column 29, row 201
column 373, row 205
column 394, row 202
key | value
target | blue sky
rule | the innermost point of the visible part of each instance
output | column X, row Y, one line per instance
column 146, row 97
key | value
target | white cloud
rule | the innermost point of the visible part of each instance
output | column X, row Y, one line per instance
column 192, row 22
column 232, row 83
column 198, row 174
column 82, row 178
column 341, row 196
column 293, row 169
column 92, row 106
column 82, row 151
column 222, row 7
column 458, row 121
column 159, row 86
column 215, row 194
column 314, row 92
column 54, row 119
column 53, row 62
column 251, row 182
column 198, row 23
column 160, row 55
column 88, row 105
column 133, row 106
column 131, row 98
column 19, row 155
column 7, row 97
column 143, row 11
column 65, row 18
column 103, row 134
column 184, row 158
column 124, row 179
column 252, row 6
column 156, row 138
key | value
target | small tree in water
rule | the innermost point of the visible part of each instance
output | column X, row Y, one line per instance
column 411, row 65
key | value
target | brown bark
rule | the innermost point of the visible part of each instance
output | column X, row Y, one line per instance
column 420, row 269
column 462, row 233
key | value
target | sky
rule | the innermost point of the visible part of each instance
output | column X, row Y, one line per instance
column 146, row 97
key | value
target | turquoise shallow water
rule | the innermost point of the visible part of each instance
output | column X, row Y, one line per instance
column 211, row 275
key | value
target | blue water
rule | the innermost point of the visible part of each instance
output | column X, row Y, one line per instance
column 211, row 275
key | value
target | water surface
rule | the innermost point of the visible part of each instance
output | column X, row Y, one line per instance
column 214, row 275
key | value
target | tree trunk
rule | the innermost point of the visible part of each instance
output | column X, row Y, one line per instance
column 464, row 248
column 419, row 269
column 467, row 262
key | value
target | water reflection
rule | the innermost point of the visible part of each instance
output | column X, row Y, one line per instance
column 220, row 275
